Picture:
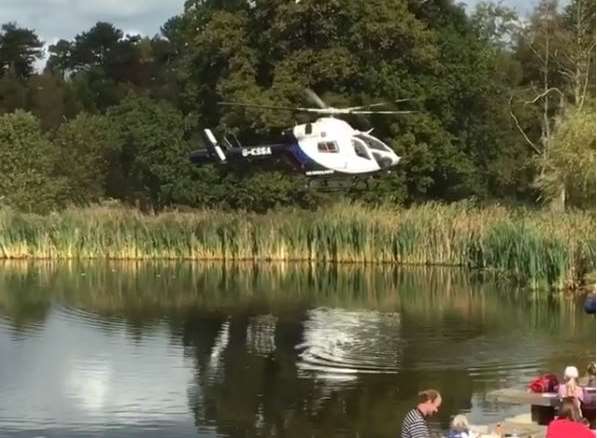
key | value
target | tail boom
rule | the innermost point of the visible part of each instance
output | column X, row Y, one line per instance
column 216, row 153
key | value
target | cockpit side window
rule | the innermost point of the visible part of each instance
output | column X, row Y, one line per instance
column 327, row 147
column 373, row 143
column 360, row 149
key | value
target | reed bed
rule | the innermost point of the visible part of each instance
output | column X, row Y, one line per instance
column 536, row 248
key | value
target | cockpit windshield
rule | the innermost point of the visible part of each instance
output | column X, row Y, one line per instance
column 360, row 149
column 373, row 143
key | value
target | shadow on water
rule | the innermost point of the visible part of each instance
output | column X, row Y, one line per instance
column 275, row 349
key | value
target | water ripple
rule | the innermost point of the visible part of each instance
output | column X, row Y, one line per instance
column 340, row 344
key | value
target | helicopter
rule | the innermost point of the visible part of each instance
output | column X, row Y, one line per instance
column 325, row 147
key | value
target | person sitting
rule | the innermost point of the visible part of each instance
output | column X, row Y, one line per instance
column 568, row 424
column 570, row 388
column 460, row 428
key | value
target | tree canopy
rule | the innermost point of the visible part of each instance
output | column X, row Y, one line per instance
column 492, row 93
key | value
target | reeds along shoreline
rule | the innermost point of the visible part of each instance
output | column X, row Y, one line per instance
column 538, row 249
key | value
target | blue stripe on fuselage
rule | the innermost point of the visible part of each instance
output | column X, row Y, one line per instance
column 298, row 153
column 305, row 162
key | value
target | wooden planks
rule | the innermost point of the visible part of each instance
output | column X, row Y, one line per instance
column 520, row 425
column 522, row 397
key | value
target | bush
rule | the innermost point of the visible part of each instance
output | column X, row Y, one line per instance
column 28, row 177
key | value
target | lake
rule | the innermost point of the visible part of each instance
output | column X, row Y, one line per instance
column 94, row 349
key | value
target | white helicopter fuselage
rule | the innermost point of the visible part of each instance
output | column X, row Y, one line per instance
column 334, row 146
column 327, row 146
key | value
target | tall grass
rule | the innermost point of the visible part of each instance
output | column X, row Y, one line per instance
column 536, row 248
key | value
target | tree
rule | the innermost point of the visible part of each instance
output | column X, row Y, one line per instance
column 495, row 23
column 13, row 93
column 362, row 52
column 571, row 160
column 19, row 48
column 107, row 62
column 153, row 165
column 46, row 99
column 353, row 54
column 59, row 62
column 28, row 178
column 94, row 48
column 577, row 62
column 458, row 73
column 556, row 52
column 465, row 146
column 91, row 142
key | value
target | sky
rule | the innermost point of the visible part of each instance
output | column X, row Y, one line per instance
column 55, row 19
column 521, row 6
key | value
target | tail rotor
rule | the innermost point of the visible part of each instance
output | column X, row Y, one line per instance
column 214, row 148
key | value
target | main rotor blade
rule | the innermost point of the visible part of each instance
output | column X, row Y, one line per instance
column 326, row 110
column 315, row 98
column 273, row 107
column 376, row 104
column 381, row 112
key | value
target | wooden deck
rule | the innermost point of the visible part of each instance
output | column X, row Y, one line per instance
column 542, row 409
column 521, row 425
column 522, row 397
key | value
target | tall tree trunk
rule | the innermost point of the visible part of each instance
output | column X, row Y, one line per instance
column 558, row 203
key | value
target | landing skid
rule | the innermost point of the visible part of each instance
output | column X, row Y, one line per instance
column 345, row 185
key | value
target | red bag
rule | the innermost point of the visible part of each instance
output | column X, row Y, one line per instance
column 545, row 383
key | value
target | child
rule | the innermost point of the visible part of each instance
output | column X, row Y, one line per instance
column 460, row 428
column 571, row 388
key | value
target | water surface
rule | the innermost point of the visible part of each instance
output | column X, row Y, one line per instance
column 127, row 349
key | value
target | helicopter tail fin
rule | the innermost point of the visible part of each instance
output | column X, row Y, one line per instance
column 213, row 146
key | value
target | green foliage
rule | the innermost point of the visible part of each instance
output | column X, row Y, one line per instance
column 474, row 83
column 107, row 62
column 27, row 165
column 46, row 99
column 90, row 143
column 577, row 62
column 570, row 164
column 13, row 93
column 59, row 61
column 357, row 53
column 496, row 23
column 153, row 160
